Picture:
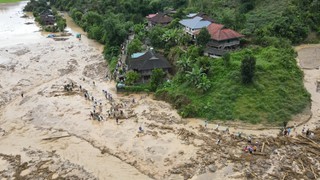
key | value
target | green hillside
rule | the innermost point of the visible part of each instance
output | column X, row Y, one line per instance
column 276, row 94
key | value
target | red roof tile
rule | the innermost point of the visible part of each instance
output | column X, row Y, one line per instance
column 219, row 33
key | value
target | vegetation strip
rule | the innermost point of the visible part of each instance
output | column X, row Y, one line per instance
column 9, row 1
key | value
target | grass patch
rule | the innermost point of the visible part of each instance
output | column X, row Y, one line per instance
column 9, row 1
column 276, row 94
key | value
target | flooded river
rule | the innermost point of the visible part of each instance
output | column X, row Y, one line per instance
column 47, row 132
column 32, row 64
column 13, row 29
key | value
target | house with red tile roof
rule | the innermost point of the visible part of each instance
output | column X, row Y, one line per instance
column 158, row 19
column 221, row 40
column 222, row 37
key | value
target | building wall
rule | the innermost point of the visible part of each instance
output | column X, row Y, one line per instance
column 223, row 44
column 190, row 31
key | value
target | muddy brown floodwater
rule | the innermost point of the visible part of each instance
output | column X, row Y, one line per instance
column 46, row 132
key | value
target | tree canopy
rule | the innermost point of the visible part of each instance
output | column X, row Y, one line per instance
column 134, row 46
column 204, row 37
column 248, row 65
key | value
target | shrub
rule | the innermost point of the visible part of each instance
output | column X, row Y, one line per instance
column 132, row 77
column 157, row 78
column 248, row 69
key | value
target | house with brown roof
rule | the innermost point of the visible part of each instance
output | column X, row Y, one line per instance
column 47, row 17
column 144, row 63
column 221, row 40
column 202, row 15
column 158, row 19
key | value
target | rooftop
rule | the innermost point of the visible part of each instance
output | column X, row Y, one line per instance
column 148, row 61
column 201, row 14
column 219, row 33
column 159, row 18
column 195, row 23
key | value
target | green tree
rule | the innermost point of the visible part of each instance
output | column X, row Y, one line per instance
column 194, row 76
column 157, row 78
column 204, row 37
column 172, row 37
column 110, row 51
column 76, row 15
column 138, row 28
column 132, row 77
column 90, row 19
column 184, row 64
column 194, row 51
column 184, row 40
column 140, row 31
column 248, row 65
column 61, row 23
column 134, row 46
column 291, row 27
column 155, row 36
column 96, row 32
column 115, row 29
column 204, row 63
column 226, row 59
column 204, row 84
column 246, row 5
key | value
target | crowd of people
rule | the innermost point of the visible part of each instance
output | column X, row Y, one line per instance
column 104, row 109
column 252, row 146
column 121, row 67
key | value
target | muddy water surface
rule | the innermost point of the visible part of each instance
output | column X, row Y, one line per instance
column 38, row 67
column 13, row 29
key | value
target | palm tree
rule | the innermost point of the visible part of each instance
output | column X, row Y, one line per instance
column 204, row 84
column 184, row 64
column 173, row 35
column 195, row 75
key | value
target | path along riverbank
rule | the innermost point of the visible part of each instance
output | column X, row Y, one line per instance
column 49, row 132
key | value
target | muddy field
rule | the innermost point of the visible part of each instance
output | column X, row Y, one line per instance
column 46, row 132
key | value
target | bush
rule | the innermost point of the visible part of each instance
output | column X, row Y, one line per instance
column 134, row 46
column 61, row 24
column 132, row 77
column 157, row 78
column 95, row 32
column 204, row 37
column 248, row 69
